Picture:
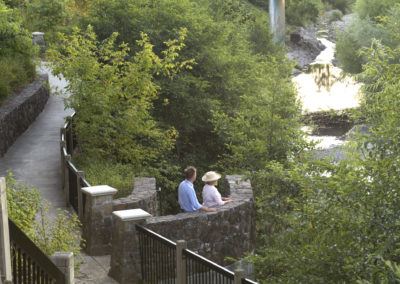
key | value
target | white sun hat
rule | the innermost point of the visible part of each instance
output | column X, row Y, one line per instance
column 211, row 176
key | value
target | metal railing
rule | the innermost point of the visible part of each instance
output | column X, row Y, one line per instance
column 29, row 264
column 164, row 261
column 158, row 257
column 72, row 178
column 201, row 270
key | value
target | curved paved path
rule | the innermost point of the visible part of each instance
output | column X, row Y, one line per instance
column 35, row 157
column 35, row 160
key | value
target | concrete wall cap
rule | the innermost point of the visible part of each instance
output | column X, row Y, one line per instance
column 99, row 190
column 132, row 214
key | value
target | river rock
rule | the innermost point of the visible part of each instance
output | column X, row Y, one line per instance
column 303, row 46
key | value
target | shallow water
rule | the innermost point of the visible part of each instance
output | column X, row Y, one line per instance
column 341, row 93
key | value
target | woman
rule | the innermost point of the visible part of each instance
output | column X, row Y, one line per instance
column 211, row 196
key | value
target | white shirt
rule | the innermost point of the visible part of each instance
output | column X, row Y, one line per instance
column 211, row 196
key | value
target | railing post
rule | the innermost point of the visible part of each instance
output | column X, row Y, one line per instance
column 80, row 174
column 125, row 254
column 238, row 276
column 70, row 140
column 97, row 218
column 5, row 258
column 65, row 262
column 62, row 160
column 66, row 179
column 180, row 262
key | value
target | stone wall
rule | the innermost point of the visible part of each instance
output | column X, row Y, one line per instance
column 229, row 232
column 99, row 205
column 20, row 110
column 144, row 196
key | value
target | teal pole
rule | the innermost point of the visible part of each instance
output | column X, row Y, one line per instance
column 277, row 19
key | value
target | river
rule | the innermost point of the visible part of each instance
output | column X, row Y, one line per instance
column 341, row 92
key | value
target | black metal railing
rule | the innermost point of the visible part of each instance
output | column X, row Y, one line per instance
column 159, row 263
column 248, row 281
column 72, row 178
column 29, row 264
column 201, row 270
column 158, row 257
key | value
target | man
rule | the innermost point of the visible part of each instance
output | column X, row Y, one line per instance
column 187, row 196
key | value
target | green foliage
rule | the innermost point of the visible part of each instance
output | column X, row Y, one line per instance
column 343, row 5
column 116, row 175
column 381, row 24
column 114, row 96
column 302, row 12
column 46, row 15
column 359, row 34
column 16, row 52
column 335, row 15
column 338, row 223
column 61, row 233
column 23, row 203
column 229, row 41
column 373, row 9
column 266, row 127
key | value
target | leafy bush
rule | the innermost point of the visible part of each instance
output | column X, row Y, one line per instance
column 23, row 204
column 373, row 8
column 359, row 34
column 50, row 235
column 302, row 12
column 343, row 5
column 335, row 15
column 321, row 222
column 16, row 53
column 118, row 176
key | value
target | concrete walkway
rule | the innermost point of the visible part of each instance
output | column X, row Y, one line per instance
column 35, row 160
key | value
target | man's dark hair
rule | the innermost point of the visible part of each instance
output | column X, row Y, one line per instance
column 189, row 172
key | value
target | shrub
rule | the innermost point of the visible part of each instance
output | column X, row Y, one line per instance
column 373, row 8
column 16, row 53
column 302, row 12
column 343, row 5
column 118, row 176
column 359, row 34
column 50, row 235
column 335, row 15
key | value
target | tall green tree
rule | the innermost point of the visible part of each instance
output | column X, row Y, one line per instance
column 114, row 96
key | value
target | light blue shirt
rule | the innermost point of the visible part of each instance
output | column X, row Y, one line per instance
column 187, row 197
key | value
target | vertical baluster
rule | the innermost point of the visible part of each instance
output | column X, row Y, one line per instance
column 19, row 260
column 38, row 278
column 46, row 279
column 29, row 270
column 24, row 269
column 14, row 261
column 34, row 273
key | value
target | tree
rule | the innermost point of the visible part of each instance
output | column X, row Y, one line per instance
column 113, row 96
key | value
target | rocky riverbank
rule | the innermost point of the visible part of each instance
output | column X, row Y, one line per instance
column 303, row 45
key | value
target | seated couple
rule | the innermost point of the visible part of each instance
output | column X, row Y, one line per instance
column 211, row 197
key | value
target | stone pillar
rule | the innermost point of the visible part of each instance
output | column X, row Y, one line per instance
column 125, row 255
column 180, row 264
column 277, row 19
column 238, row 276
column 5, row 253
column 65, row 262
column 97, row 220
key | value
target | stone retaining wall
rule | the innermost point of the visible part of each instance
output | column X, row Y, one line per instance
column 20, row 110
column 229, row 232
column 97, row 220
column 144, row 196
